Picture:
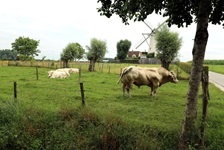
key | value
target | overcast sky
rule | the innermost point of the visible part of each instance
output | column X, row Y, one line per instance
column 55, row 23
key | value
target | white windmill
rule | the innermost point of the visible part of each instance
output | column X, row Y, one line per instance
column 151, row 37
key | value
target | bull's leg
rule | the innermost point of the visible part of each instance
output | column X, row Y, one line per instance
column 151, row 94
column 124, row 88
column 154, row 91
column 128, row 88
column 128, row 91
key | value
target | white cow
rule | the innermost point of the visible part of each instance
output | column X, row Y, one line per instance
column 74, row 70
column 58, row 74
column 69, row 70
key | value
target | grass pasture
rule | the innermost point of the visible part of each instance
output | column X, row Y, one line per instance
column 47, row 113
column 217, row 68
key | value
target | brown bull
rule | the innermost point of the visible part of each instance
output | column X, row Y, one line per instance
column 152, row 77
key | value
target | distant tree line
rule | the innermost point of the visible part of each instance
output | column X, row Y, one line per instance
column 25, row 48
column 212, row 62
column 7, row 54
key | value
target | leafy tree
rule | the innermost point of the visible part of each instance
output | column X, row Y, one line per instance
column 181, row 13
column 70, row 52
column 167, row 46
column 7, row 54
column 123, row 47
column 97, row 51
column 26, row 48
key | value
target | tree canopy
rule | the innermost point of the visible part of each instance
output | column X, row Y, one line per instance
column 167, row 45
column 123, row 47
column 180, row 12
column 96, row 51
column 26, row 48
column 72, row 51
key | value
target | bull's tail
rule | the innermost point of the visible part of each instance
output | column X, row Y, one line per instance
column 124, row 72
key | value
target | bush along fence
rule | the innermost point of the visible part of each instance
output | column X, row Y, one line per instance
column 185, row 66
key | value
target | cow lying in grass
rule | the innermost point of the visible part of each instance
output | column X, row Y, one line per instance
column 58, row 74
column 152, row 77
column 69, row 70
column 62, row 73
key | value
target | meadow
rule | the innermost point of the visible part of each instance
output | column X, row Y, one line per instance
column 48, row 113
column 217, row 68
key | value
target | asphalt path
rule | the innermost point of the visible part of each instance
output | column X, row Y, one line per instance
column 217, row 79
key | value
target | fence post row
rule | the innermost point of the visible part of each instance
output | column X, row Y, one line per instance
column 37, row 72
column 82, row 94
column 15, row 90
column 79, row 74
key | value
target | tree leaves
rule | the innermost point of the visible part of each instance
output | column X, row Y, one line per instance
column 26, row 47
column 168, row 44
column 72, row 51
column 123, row 47
column 97, row 49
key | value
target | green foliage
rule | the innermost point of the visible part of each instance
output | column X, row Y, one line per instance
column 72, row 51
column 214, row 65
column 179, row 12
column 130, row 61
column 7, row 54
column 213, row 62
column 26, row 48
column 167, row 45
column 96, row 50
column 217, row 68
column 150, row 55
column 45, row 116
column 123, row 47
column 185, row 66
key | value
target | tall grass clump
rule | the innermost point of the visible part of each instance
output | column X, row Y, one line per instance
column 69, row 128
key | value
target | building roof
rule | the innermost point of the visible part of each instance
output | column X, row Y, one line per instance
column 134, row 54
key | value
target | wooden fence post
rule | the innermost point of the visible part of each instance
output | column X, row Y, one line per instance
column 15, row 90
column 37, row 72
column 82, row 94
column 79, row 74
column 109, row 69
column 206, row 97
column 102, row 67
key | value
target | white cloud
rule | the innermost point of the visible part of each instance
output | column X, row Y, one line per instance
column 56, row 23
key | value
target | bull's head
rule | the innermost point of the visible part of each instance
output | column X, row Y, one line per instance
column 173, row 77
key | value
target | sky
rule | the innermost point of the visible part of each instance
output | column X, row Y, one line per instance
column 56, row 23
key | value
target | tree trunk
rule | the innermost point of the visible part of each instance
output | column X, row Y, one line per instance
column 92, row 65
column 165, row 64
column 189, row 131
column 65, row 64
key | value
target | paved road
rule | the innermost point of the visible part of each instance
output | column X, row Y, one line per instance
column 217, row 79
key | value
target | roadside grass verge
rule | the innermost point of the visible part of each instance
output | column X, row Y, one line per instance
column 48, row 114
column 217, row 68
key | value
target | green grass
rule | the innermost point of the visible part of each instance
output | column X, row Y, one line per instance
column 47, row 113
column 217, row 68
